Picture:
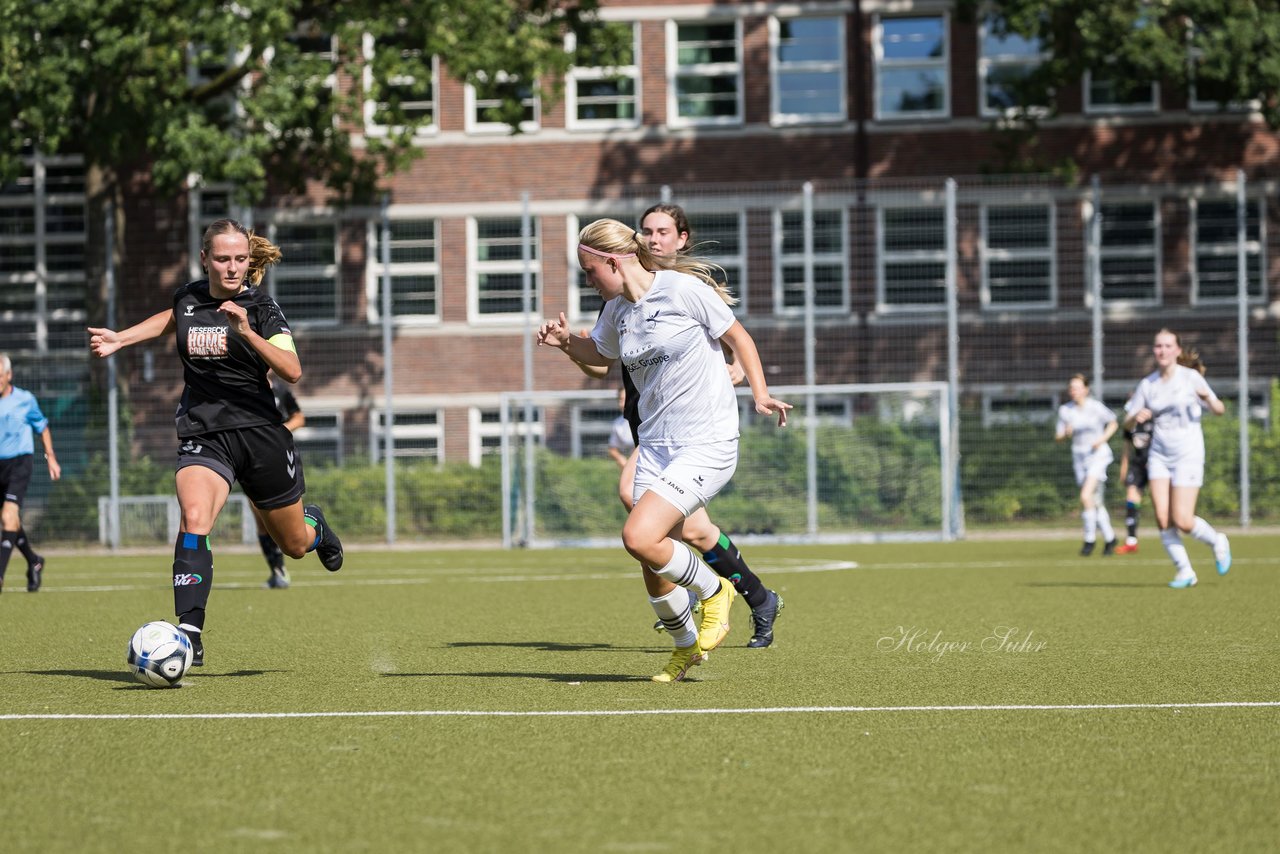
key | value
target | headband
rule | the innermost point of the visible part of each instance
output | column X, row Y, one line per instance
column 582, row 247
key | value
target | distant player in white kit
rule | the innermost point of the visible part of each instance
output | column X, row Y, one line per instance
column 1090, row 425
column 664, row 317
column 1174, row 397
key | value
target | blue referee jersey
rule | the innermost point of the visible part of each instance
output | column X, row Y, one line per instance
column 19, row 415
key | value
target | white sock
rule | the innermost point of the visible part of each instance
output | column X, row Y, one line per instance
column 1204, row 532
column 1104, row 524
column 1090, row 518
column 1177, row 551
column 676, row 616
column 687, row 570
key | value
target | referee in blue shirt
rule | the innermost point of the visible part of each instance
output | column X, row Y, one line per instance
column 19, row 415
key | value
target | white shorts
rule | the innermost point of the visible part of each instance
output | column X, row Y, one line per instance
column 1185, row 468
column 687, row 476
column 1093, row 464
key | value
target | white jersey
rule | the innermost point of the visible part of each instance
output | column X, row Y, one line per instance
column 1087, row 422
column 1176, row 409
column 669, row 343
column 620, row 436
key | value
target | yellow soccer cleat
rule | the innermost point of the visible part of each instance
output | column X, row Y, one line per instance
column 714, row 626
column 682, row 659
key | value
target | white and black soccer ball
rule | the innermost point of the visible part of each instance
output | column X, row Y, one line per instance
column 159, row 655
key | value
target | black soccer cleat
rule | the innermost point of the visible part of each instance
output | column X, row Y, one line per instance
column 197, row 647
column 762, row 619
column 1086, row 549
column 35, row 575
column 1109, row 548
column 329, row 549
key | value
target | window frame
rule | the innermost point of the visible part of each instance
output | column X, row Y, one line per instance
column 471, row 106
column 778, row 67
column 1128, row 252
column 407, row 432
column 311, row 433
column 281, row 272
column 783, row 259
column 1143, row 108
column 881, row 64
column 1254, row 249
column 703, row 69
column 476, row 267
column 373, row 272
column 884, row 258
column 592, row 73
column 369, row 107
column 1049, row 253
column 478, row 429
column 988, row 61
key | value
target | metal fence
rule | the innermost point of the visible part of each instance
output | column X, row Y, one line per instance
column 414, row 323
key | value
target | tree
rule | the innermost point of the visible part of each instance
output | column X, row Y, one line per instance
column 1228, row 50
column 239, row 91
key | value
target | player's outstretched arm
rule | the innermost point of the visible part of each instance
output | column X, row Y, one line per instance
column 744, row 348
column 103, row 342
column 581, row 349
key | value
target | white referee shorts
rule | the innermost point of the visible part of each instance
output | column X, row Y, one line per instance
column 687, row 476
column 1093, row 464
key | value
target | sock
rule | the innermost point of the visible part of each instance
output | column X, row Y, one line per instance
column 1177, row 551
column 727, row 561
column 6, row 550
column 1090, row 518
column 1131, row 520
column 1204, row 532
column 676, row 616
column 25, row 546
column 192, row 578
column 1104, row 524
column 686, row 570
column 275, row 557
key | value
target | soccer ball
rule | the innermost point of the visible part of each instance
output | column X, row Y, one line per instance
column 159, row 655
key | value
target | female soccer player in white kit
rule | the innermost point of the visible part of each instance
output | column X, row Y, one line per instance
column 666, row 328
column 1174, row 397
column 1090, row 426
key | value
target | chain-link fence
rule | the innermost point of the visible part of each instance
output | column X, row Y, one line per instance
column 414, row 323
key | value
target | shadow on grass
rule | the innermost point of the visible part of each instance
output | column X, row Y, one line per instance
column 104, row 675
column 549, row 677
column 547, row 646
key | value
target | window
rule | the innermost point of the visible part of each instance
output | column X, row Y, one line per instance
column 399, row 86
column 496, row 270
column 1025, row 407
column 207, row 205
column 416, row 434
column 584, row 302
column 42, row 257
column 1215, row 239
column 704, row 67
column 1018, row 269
column 599, row 96
column 1103, row 95
column 317, row 71
column 721, row 237
column 1205, row 94
column 808, row 69
column 1005, row 61
column 305, row 282
column 592, row 424
column 485, row 99
column 320, row 439
column 829, row 271
column 486, row 430
column 415, row 270
column 913, row 258
column 911, row 68
column 1130, row 252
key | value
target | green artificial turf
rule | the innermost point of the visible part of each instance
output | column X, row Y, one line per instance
column 892, row 713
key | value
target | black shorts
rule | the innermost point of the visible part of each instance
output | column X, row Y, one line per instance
column 15, row 477
column 1137, row 474
column 263, row 459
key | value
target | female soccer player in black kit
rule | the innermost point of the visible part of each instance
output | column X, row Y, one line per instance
column 229, row 336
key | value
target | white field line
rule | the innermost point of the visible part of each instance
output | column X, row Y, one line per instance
column 600, row 713
column 450, row 576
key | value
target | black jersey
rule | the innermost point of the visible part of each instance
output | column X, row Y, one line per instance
column 285, row 401
column 227, row 384
column 631, row 406
column 1139, row 438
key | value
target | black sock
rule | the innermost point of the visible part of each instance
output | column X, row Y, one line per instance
column 7, row 540
column 275, row 557
column 192, row 578
column 25, row 546
column 727, row 561
column 1131, row 518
